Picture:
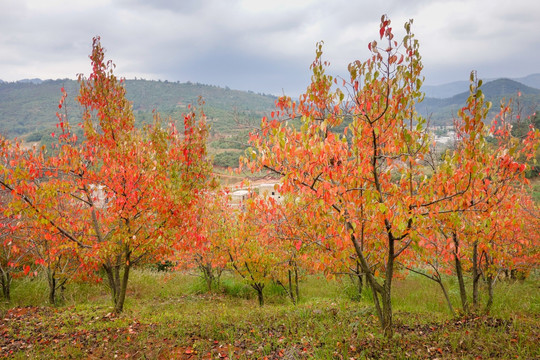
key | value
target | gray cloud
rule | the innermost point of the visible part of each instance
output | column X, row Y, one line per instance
column 264, row 45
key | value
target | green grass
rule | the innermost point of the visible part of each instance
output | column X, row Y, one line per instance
column 535, row 186
column 169, row 315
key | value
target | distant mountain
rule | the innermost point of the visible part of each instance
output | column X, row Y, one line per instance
column 442, row 111
column 29, row 106
column 450, row 89
column 445, row 90
column 31, row 81
column 530, row 80
column 505, row 87
column 28, row 110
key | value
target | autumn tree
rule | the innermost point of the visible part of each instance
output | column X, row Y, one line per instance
column 200, row 245
column 493, row 166
column 525, row 257
column 14, row 255
column 114, row 195
column 303, row 243
column 255, row 252
column 35, row 198
column 265, row 240
column 59, row 260
column 362, row 152
column 147, row 179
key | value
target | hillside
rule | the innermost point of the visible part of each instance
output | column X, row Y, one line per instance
column 445, row 90
column 29, row 107
column 441, row 111
column 28, row 110
column 456, row 87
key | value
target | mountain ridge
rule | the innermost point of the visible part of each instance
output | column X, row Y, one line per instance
column 29, row 106
column 450, row 89
column 439, row 111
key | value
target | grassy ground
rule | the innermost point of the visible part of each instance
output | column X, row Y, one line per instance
column 535, row 185
column 169, row 316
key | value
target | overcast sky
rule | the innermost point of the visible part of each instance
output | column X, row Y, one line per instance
column 261, row 45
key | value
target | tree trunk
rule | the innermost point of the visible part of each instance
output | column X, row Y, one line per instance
column 376, row 288
column 459, row 274
column 360, row 278
column 62, row 290
column 296, row 282
column 210, row 275
column 119, row 305
column 52, row 288
column 374, row 291
column 114, row 287
column 291, row 291
column 6, row 285
column 387, row 312
column 259, row 288
column 475, row 275
column 386, row 293
column 118, row 276
column 219, row 271
column 490, row 283
column 448, row 302
column 462, row 289
column 360, row 285
column 206, row 270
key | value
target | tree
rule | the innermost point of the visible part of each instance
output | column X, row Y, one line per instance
column 362, row 152
column 59, row 260
column 14, row 255
column 468, row 233
column 149, row 178
column 37, row 199
column 254, row 250
column 115, row 195
column 497, row 172
column 202, row 245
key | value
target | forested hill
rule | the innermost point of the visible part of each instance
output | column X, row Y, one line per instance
column 441, row 111
column 456, row 87
column 28, row 108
